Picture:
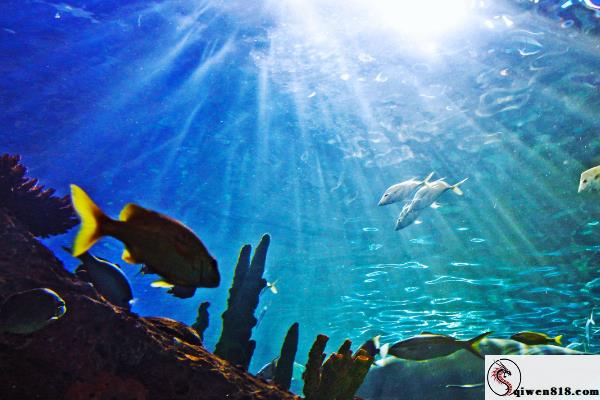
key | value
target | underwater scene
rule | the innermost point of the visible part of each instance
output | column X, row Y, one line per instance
column 417, row 177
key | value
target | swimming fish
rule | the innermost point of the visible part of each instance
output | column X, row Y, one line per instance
column 166, row 246
column 108, row 279
column 588, row 331
column 31, row 310
column 429, row 193
column 271, row 286
column 466, row 386
column 267, row 372
column 407, row 216
column 536, row 338
column 401, row 191
column 590, row 180
column 430, row 345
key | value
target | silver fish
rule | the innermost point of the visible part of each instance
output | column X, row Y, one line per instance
column 590, row 180
column 401, row 191
column 428, row 194
column 407, row 216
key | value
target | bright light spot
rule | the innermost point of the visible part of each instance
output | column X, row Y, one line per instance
column 420, row 17
column 507, row 21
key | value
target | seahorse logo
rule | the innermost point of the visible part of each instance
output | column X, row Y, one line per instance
column 504, row 377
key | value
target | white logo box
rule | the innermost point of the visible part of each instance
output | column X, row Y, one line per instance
column 542, row 377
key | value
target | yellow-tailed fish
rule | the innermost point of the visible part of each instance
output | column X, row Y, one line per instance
column 165, row 246
column 533, row 338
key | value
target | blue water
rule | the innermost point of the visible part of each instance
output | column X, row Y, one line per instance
column 293, row 117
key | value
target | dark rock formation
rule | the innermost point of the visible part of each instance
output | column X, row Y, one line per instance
column 285, row 364
column 235, row 344
column 99, row 351
column 35, row 207
column 202, row 319
column 341, row 375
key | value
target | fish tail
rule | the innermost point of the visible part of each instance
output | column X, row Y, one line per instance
column 92, row 221
column 558, row 340
column 426, row 180
column 472, row 345
column 384, row 350
column 455, row 187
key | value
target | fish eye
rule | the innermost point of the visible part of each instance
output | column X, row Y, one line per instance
column 585, row 181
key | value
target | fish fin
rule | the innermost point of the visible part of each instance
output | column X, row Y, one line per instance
column 427, row 178
column 455, row 188
column 427, row 333
column 472, row 345
column 131, row 210
column 162, row 284
column 127, row 257
column 377, row 342
column 384, row 350
column 92, row 220
column 558, row 340
column 182, row 292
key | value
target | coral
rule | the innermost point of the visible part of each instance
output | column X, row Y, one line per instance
column 341, row 375
column 202, row 319
column 42, row 213
column 285, row 364
column 107, row 387
column 235, row 344
column 95, row 338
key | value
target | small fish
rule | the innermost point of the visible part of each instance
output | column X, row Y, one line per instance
column 267, row 372
column 533, row 338
column 271, row 286
column 429, row 193
column 590, row 180
column 407, row 216
column 107, row 278
column 588, row 331
column 430, row 345
column 31, row 310
column 574, row 345
column 166, row 246
column 401, row 191
column 466, row 386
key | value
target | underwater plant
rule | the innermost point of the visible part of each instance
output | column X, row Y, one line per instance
column 285, row 364
column 339, row 377
column 42, row 213
column 202, row 319
column 235, row 344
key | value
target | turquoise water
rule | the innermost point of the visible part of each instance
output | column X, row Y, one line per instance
column 293, row 117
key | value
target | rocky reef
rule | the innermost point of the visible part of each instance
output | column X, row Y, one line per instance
column 97, row 350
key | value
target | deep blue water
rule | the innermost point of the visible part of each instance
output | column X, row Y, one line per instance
column 293, row 117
